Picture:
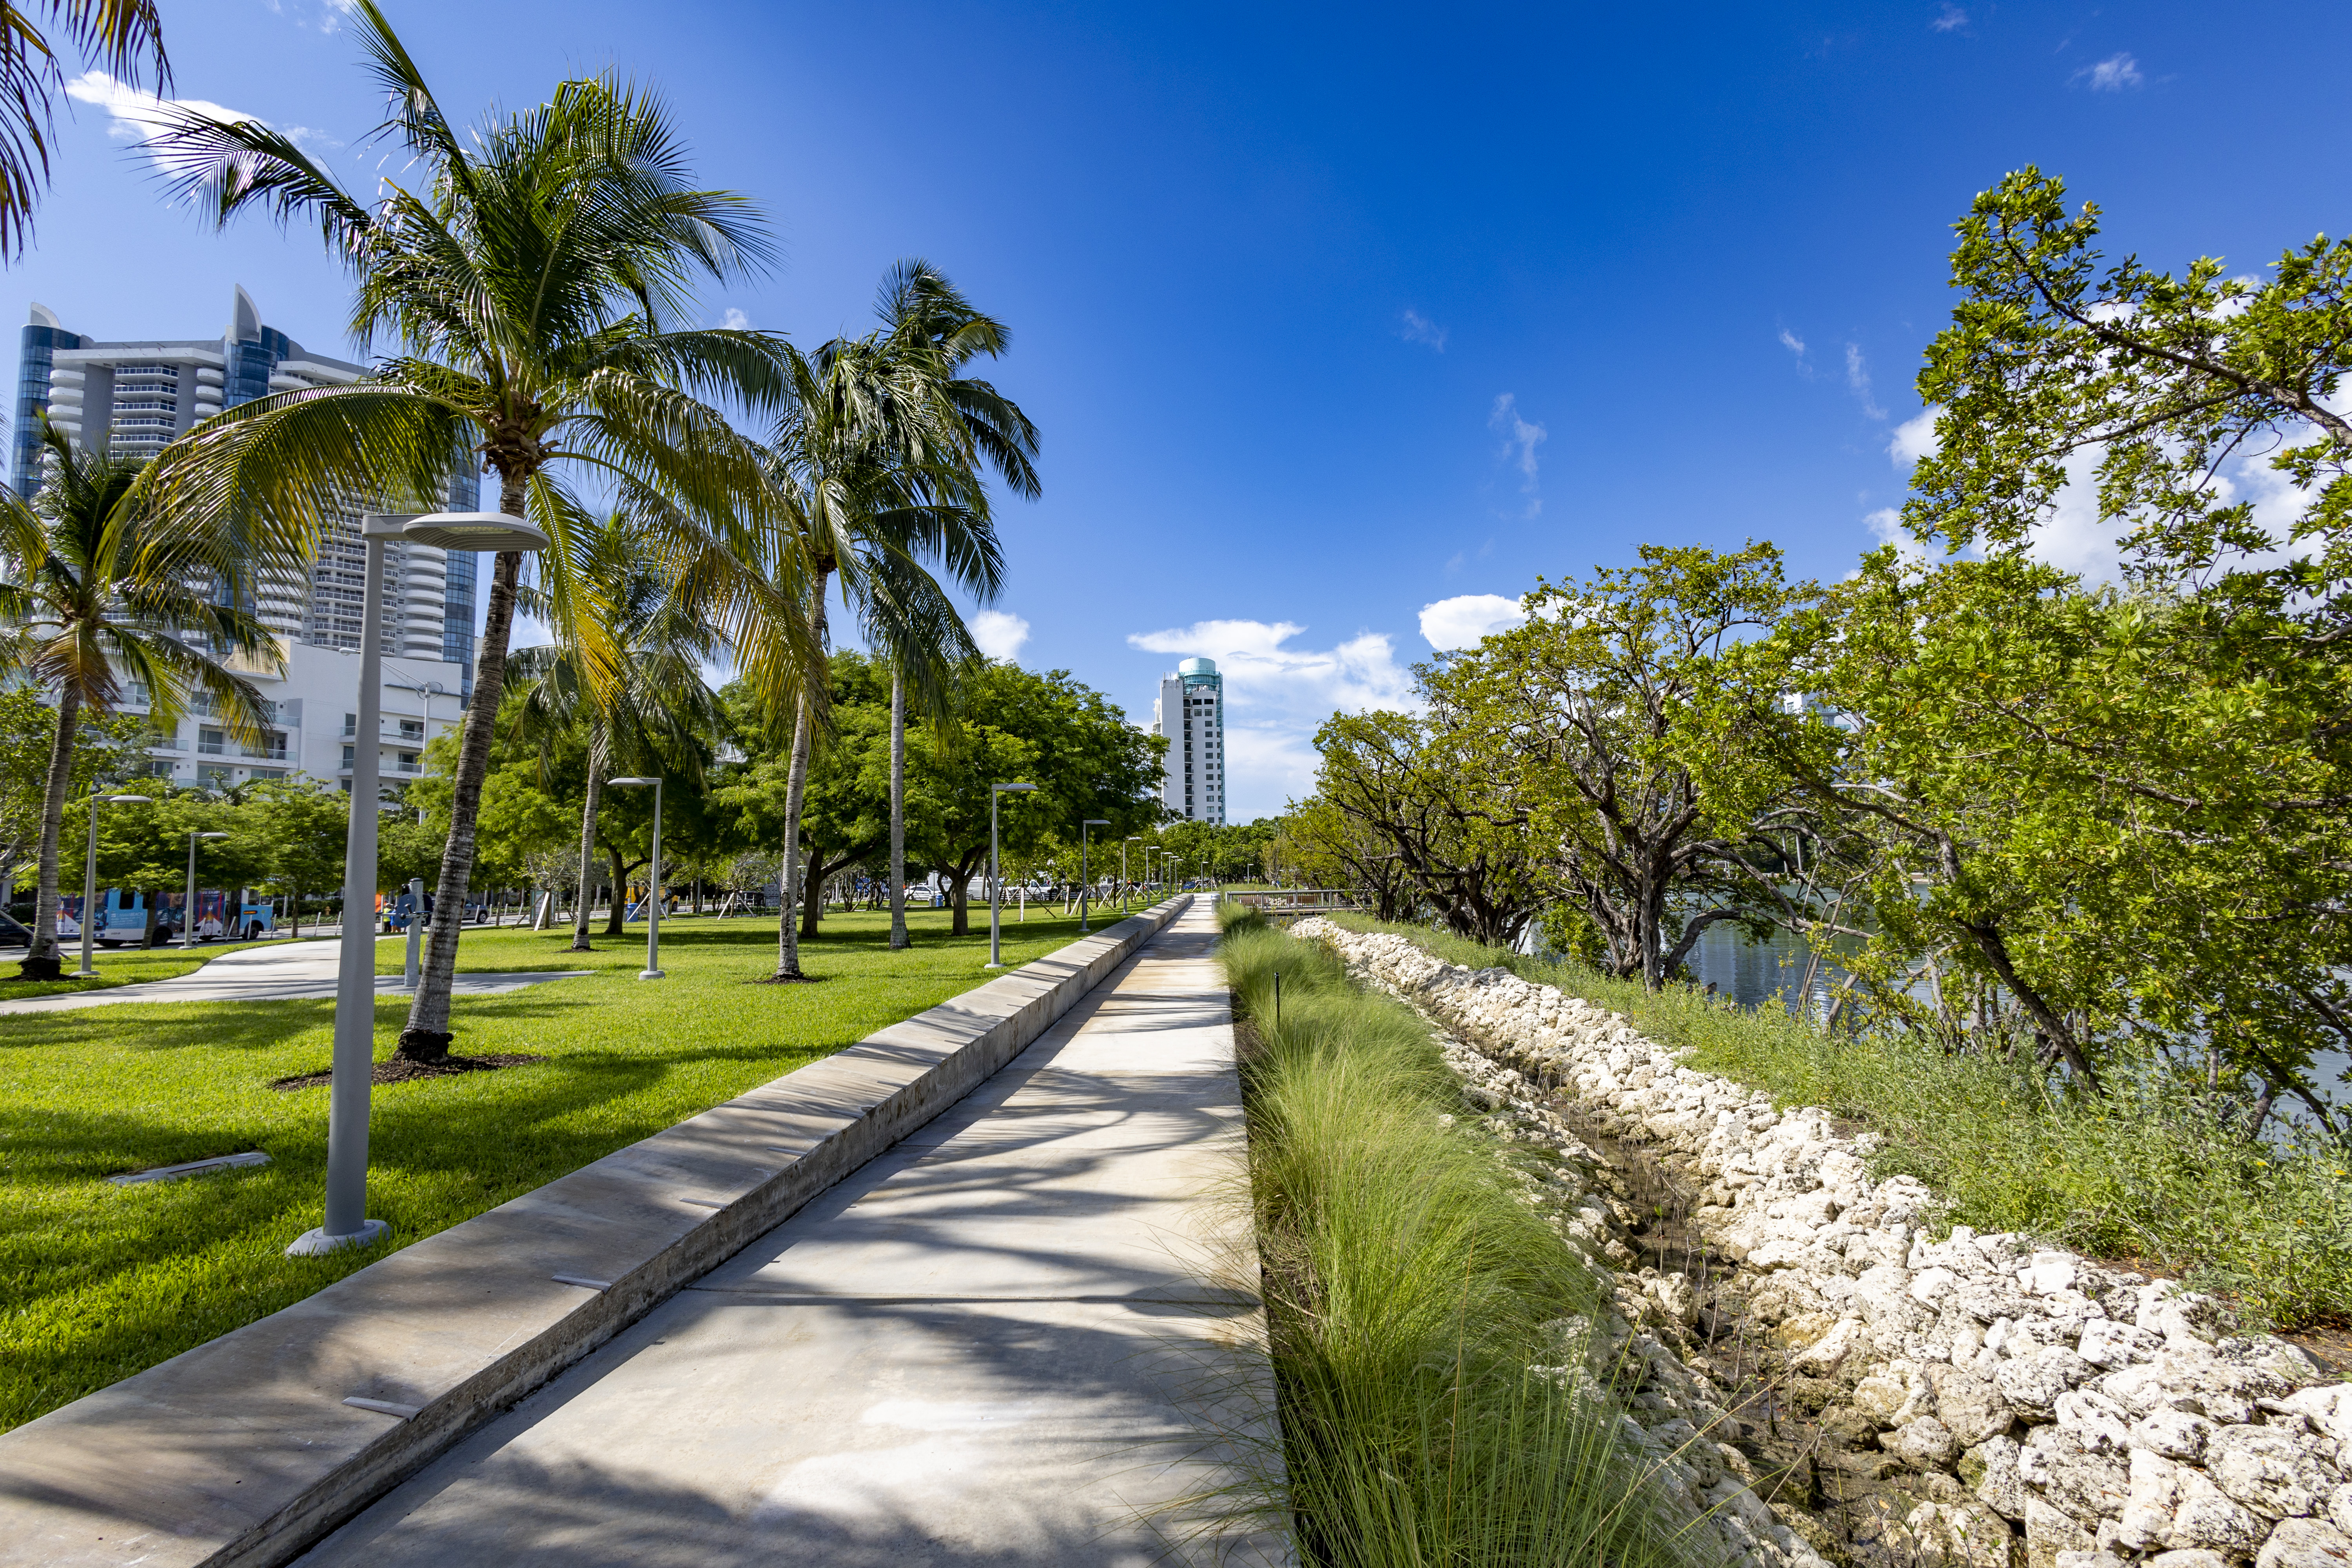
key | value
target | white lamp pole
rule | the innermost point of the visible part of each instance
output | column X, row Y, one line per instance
column 652, row 969
column 90, row 872
column 995, row 883
column 188, row 910
column 1083, row 888
column 347, row 1224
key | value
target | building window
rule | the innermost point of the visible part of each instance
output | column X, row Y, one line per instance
column 408, row 762
column 412, row 728
column 350, row 727
column 350, row 758
column 211, row 743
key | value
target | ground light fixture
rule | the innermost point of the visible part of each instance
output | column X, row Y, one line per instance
column 90, row 873
column 1083, row 888
column 188, row 910
column 995, row 882
column 347, row 1224
column 652, row 969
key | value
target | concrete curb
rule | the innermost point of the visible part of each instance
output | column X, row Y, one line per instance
column 247, row 1449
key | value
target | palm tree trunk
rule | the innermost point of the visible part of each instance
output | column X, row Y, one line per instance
column 788, row 941
column 596, row 746
column 898, row 810
column 426, row 1037
column 41, row 960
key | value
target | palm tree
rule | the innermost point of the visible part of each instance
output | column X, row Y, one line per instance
column 108, row 595
column 117, row 36
column 879, row 460
column 929, row 319
column 528, row 281
column 661, row 703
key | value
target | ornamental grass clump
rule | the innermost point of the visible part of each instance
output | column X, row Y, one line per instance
column 1415, row 1305
column 2145, row 1172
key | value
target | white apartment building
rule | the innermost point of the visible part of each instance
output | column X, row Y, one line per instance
column 139, row 396
column 314, row 704
column 1191, row 712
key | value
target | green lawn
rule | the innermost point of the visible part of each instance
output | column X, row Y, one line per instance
column 98, row 1281
column 115, row 967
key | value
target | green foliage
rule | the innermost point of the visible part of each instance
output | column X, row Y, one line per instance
column 1410, row 1295
column 109, row 749
column 2145, row 1172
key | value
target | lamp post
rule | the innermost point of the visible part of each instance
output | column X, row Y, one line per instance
column 995, row 883
column 652, row 969
column 347, row 1224
column 90, row 872
column 1126, row 888
column 188, row 910
column 1083, row 888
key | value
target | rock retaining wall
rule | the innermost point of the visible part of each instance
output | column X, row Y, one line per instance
column 2027, row 1408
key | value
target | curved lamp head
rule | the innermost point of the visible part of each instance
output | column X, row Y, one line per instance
column 1095, row 821
column 208, row 836
column 491, row 531
column 130, row 800
column 632, row 781
column 1013, row 788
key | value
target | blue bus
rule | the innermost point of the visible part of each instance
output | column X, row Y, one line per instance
column 123, row 918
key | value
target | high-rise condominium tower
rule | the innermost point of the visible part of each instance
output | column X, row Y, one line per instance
column 136, row 397
column 1191, row 712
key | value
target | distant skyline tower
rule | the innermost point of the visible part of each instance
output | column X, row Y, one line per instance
column 1191, row 712
column 137, row 396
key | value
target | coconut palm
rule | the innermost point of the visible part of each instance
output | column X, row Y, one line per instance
column 879, row 459
column 117, row 36
column 927, row 319
column 529, row 281
column 107, row 600
column 660, row 705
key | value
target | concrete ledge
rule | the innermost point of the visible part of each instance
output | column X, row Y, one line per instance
column 244, row 1450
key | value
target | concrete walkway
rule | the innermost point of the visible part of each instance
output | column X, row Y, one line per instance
column 274, row 972
column 1021, row 1336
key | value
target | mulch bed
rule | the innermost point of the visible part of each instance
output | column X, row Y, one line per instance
column 401, row 1069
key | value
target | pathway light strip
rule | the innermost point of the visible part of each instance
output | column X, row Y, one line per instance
column 652, row 969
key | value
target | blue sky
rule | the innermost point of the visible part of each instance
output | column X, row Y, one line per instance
column 1331, row 314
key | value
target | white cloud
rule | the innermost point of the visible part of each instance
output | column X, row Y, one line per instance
column 135, row 113
column 1952, row 19
column 1857, row 376
column 1520, row 440
column 735, row 321
column 1417, row 328
column 2114, row 74
column 999, row 634
column 1885, row 526
column 1463, row 620
column 1915, row 439
column 1793, row 342
column 1277, row 696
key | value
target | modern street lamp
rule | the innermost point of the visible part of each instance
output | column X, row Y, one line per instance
column 347, row 1224
column 188, row 910
column 652, row 969
column 1083, row 888
column 995, row 883
column 1126, row 888
column 90, row 872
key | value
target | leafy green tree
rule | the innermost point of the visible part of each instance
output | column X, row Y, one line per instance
column 1588, row 718
column 144, row 849
column 304, row 823
column 1015, row 725
column 110, row 600
column 110, row 750
column 527, row 278
column 1419, row 791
